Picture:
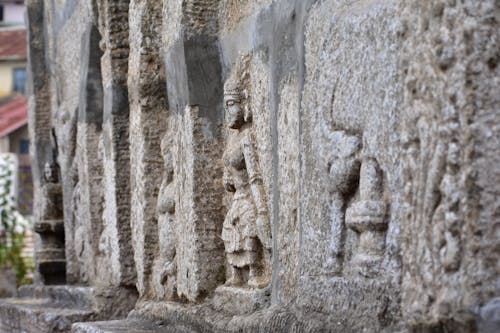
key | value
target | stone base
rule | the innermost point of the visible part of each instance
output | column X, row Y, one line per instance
column 358, row 302
column 239, row 301
column 53, row 309
column 245, row 310
column 127, row 325
column 45, row 309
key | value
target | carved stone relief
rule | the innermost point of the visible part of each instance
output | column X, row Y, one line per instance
column 343, row 172
column 368, row 217
column 433, row 204
column 166, row 265
column 50, row 255
column 246, row 230
column 355, row 178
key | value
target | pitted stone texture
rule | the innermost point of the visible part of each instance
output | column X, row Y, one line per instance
column 198, row 170
column 288, row 228
column 54, row 309
column 116, row 257
column 374, row 125
column 240, row 301
column 350, row 103
column 148, row 113
column 231, row 13
column 129, row 326
column 449, row 123
column 51, row 309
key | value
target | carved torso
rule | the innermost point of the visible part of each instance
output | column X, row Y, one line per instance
column 239, row 230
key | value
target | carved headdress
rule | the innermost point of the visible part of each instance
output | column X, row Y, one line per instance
column 236, row 85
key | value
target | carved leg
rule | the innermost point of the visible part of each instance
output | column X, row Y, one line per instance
column 333, row 265
column 255, row 279
column 234, row 276
column 259, row 275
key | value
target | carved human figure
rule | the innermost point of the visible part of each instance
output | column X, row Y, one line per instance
column 166, row 225
column 50, row 254
column 343, row 171
column 246, row 230
column 51, row 204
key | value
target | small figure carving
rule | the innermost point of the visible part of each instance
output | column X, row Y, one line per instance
column 368, row 217
column 166, row 224
column 343, row 169
column 246, row 230
column 50, row 256
column 52, row 204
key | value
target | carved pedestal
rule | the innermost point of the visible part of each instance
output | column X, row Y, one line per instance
column 50, row 255
column 367, row 216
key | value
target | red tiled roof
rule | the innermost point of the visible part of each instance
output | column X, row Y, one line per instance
column 13, row 44
column 13, row 115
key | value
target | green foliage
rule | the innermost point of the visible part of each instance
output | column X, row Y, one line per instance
column 12, row 224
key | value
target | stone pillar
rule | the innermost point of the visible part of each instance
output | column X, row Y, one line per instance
column 88, row 199
column 48, row 203
column 198, row 206
column 116, row 259
column 148, row 114
column 194, row 87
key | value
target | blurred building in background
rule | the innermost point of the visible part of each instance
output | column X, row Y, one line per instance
column 11, row 12
column 13, row 56
column 13, row 103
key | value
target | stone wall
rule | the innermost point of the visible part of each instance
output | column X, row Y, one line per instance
column 259, row 165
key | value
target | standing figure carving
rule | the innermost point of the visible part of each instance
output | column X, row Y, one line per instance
column 246, row 230
column 50, row 255
column 51, row 204
column 343, row 171
column 166, row 224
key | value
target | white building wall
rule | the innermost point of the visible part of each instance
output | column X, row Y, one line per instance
column 14, row 13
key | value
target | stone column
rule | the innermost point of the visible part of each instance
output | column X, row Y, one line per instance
column 116, row 259
column 48, row 203
column 148, row 113
column 194, row 88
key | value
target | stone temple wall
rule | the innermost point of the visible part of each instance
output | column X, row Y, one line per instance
column 264, row 166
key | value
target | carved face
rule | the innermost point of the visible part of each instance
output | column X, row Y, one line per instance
column 48, row 173
column 234, row 111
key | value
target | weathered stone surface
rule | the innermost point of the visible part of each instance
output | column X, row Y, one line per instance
column 148, row 112
column 266, row 166
column 130, row 325
column 449, row 124
column 54, row 309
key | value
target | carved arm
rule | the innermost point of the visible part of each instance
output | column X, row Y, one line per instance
column 257, row 189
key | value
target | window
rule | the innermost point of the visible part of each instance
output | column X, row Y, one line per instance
column 19, row 79
column 24, row 146
column 1, row 13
